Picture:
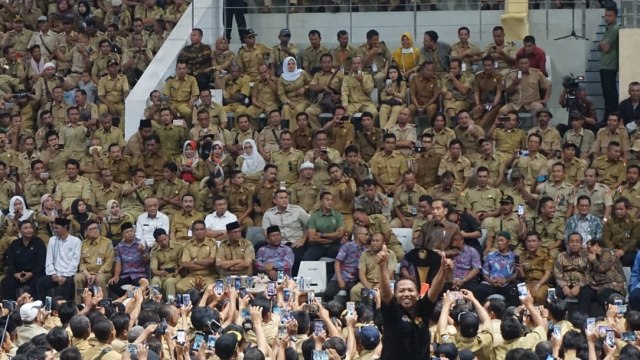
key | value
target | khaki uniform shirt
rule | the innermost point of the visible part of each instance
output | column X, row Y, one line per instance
column 488, row 86
column 510, row 224
column 370, row 265
column 240, row 199
column 529, row 88
column 574, row 170
column 459, row 50
column 320, row 173
column 378, row 62
column 238, row 86
column 461, row 168
column 508, row 141
column 263, row 194
column 407, row 200
column 303, row 139
column 509, row 48
column 551, row 231
column 171, row 138
column 610, row 172
column 536, row 264
column 531, row 167
column 288, row 164
column 44, row 88
column 604, row 137
column 120, row 169
column 242, row 251
column 424, row 89
column 632, row 193
column 100, row 196
column 98, row 349
column 99, row 68
column 466, row 79
column 311, row 57
column 55, row 162
column 408, row 133
column 329, row 79
column 217, row 115
column 58, row 111
column 622, row 234
column 344, row 192
column 478, row 200
column 181, row 90
column 495, row 163
column 470, row 146
column 355, row 92
column 34, row 189
column 181, row 225
column 97, row 256
column 600, row 198
column 19, row 40
column 583, row 139
column 277, row 56
column 452, row 196
column 342, row 58
column 194, row 251
column 426, row 166
column 169, row 258
column 250, row 59
column 69, row 190
column 153, row 164
column 113, row 89
column 368, row 143
column 270, row 139
column 388, row 168
column 342, row 135
column 266, row 92
column 378, row 224
column 562, row 195
column 113, row 136
column 551, row 140
column 171, row 189
column 305, row 194
column 140, row 62
column 441, row 139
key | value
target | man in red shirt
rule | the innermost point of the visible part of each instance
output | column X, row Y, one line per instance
column 537, row 56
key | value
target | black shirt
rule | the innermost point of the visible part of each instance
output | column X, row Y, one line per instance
column 30, row 258
column 406, row 336
column 627, row 112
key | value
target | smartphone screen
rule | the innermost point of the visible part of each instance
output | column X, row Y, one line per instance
column 181, row 336
column 197, row 341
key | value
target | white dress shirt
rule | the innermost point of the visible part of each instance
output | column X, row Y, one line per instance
column 63, row 256
column 217, row 223
column 145, row 226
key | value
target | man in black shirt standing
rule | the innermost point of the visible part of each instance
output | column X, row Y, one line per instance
column 405, row 316
column 25, row 259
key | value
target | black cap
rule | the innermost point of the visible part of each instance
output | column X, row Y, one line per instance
column 62, row 221
column 145, row 124
column 569, row 145
column 506, row 199
column 273, row 229
column 126, row 226
column 285, row 32
column 112, row 62
column 250, row 32
column 233, row 226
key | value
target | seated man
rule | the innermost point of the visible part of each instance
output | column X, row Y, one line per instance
column 275, row 256
column 550, row 228
column 217, row 221
column 236, row 90
column 606, row 277
column 356, row 90
column 507, row 221
column 614, row 131
column 372, row 201
column 499, row 272
column 571, row 272
column 457, row 164
column 482, row 202
column 170, row 190
column 405, row 201
column 628, row 108
column 132, row 259
column 182, row 91
column 551, row 140
column 369, row 269
column 535, row 268
column 26, row 257
column 611, row 168
column 236, row 254
column 32, row 315
column 378, row 224
column 537, row 57
column 96, row 260
column 346, row 265
column 181, row 221
column 165, row 256
column 198, row 257
column 598, row 193
column 325, row 230
column 425, row 90
column 508, row 138
column 583, row 221
column 524, row 86
column 150, row 220
column 530, row 162
column 621, row 232
column 63, row 258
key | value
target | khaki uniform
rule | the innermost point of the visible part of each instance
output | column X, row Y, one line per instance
column 426, row 166
column 238, row 137
column 153, row 164
column 482, row 200
column 604, row 137
column 509, row 48
column 43, row 88
column 461, row 169
column 241, row 199
column 55, row 162
column 114, row 89
column 101, row 195
column 34, row 189
column 234, row 87
column 242, row 251
column 527, row 93
column 332, row 80
column 424, row 90
column 250, row 59
column 265, row 98
column 277, row 56
column 372, row 268
column 217, row 115
column 610, row 172
column 58, row 111
column 388, row 168
column 100, row 348
column 192, row 252
column 19, row 40
column 469, row 139
column 305, row 194
column 171, row 138
column 459, row 50
column 180, row 92
column 342, row 58
column 584, row 140
column 181, row 223
column 133, row 204
column 508, row 141
column 356, row 95
column 171, row 189
column 621, row 234
column 510, row 224
column 406, row 201
column 120, row 169
column 531, row 167
column 320, row 173
column 135, row 146
column 344, row 192
column 288, row 164
column 495, row 163
column 368, row 143
column 311, row 58
column 69, row 190
column 487, row 86
column 551, row 231
column 551, row 140
column 377, row 65
column 562, row 195
column 535, row 265
column 441, row 139
column 632, row 193
column 574, row 170
column 303, row 139
column 163, row 259
column 99, row 68
column 458, row 100
column 269, row 139
column 408, row 133
column 97, row 258
column 600, row 198
column 378, row 224
column 263, row 197
column 113, row 136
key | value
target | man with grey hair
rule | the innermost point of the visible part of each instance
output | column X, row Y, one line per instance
column 81, row 330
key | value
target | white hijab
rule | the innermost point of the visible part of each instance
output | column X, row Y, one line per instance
column 290, row 75
column 26, row 213
column 252, row 163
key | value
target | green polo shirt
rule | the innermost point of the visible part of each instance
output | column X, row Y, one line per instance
column 325, row 223
column 610, row 60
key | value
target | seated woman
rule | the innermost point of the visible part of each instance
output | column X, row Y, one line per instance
column 219, row 163
column 112, row 221
column 251, row 164
column 80, row 214
column 292, row 90
column 17, row 213
column 392, row 98
column 190, row 166
column 45, row 217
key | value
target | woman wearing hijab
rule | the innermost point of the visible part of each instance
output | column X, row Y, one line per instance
column 45, row 217
column 222, row 59
column 63, row 13
column 80, row 214
column 292, row 89
column 113, row 218
column 406, row 57
column 83, row 10
column 251, row 164
column 17, row 212
column 190, row 167
column 219, row 163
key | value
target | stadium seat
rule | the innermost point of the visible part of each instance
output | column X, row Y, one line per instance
column 255, row 235
column 405, row 236
column 317, row 271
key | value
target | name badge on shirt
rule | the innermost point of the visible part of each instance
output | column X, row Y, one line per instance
column 374, row 67
column 99, row 261
column 189, row 233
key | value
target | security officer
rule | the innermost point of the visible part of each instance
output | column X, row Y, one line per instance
column 251, row 55
column 198, row 257
column 171, row 189
column 240, row 199
column 112, row 90
column 550, row 228
column 264, row 95
column 535, row 268
column 305, row 191
column 236, row 90
column 378, row 224
column 405, row 201
column 612, row 170
column 559, row 190
column 96, row 260
column 182, row 91
column 181, row 222
column 164, row 262
column 287, row 159
column 236, row 254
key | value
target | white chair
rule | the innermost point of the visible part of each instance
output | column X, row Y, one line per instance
column 317, row 271
column 405, row 236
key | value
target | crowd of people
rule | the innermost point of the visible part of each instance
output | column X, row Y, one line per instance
column 187, row 239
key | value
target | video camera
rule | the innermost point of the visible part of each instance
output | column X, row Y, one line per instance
column 571, row 84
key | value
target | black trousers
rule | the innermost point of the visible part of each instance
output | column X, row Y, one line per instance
column 46, row 283
column 235, row 8
column 117, row 287
column 509, row 291
column 333, row 288
column 585, row 298
column 316, row 251
column 628, row 258
column 10, row 286
column 608, row 82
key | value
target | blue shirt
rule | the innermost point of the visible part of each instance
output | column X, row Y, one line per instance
column 134, row 263
column 589, row 226
column 499, row 265
column 634, row 279
column 281, row 257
